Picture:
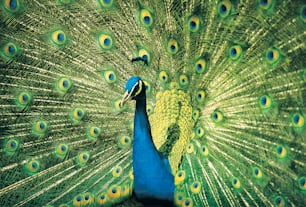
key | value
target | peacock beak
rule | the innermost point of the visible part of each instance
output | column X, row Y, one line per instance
column 125, row 98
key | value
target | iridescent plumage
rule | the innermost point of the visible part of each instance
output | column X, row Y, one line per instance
column 225, row 87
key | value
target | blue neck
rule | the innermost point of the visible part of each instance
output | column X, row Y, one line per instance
column 152, row 180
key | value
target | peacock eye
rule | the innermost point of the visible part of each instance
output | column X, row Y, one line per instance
column 124, row 142
column 106, row 4
column 179, row 196
column 58, row 38
column 184, row 81
column 12, row 6
column 11, row 146
column 114, row 192
column 257, row 173
column 9, row 50
column 236, row 183
column 77, row 200
column 117, row 171
column 217, row 116
column 279, row 201
column 195, row 114
column 145, row 55
column 148, row 87
column 200, row 66
column 61, row 150
column 224, row 8
column 88, row 199
column 204, row 151
column 32, row 166
column 164, row 76
column 93, row 132
column 199, row 131
column 110, row 76
column 194, row 24
column 40, row 128
column 200, row 96
column 235, row 52
column 23, row 99
column 265, row 4
column 195, row 187
column 172, row 47
column 179, row 177
column 63, row 85
column 272, row 56
column 77, row 114
column 187, row 202
column 298, row 120
column 281, row 151
column 82, row 158
column 106, row 41
column 146, row 18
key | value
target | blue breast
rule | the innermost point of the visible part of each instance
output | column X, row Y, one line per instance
column 152, row 178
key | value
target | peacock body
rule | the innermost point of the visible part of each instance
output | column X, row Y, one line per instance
column 219, row 119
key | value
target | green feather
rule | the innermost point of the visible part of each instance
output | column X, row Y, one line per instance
column 225, row 86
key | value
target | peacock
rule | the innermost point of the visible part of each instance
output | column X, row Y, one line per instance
column 185, row 103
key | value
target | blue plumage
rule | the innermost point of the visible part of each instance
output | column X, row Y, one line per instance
column 152, row 177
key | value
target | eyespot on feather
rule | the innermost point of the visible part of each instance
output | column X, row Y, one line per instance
column 187, row 202
column 298, row 122
column 266, row 5
column 82, row 158
column 235, row 52
column 11, row 146
column 200, row 66
column 236, row 183
column 194, row 24
column 272, row 56
column 124, row 141
column 146, row 18
column 224, row 8
column 281, row 152
column 279, row 201
column 204, row 150
column 265, row 102
column 179, row 177
column 61, row 150
column 102, row 198
column 178, row 198
column 40, row 128
column 114, row 192
column 76, row 114
column 172, row 47
column 200, row 96
column 63, row 85
column 105, row 40
column 93, row 132
column 107, row 4
column 32, row 167
column 58, row 38
column 217, row 116
column 23, row 99
column 117, row 171
column 163, row 76
column 9, row 50
column 11, row 6
column 199, row 131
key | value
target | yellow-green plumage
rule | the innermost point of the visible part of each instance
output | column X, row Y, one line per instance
column 225, row 84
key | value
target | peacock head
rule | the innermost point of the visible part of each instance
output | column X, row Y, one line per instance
column 134, row 89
